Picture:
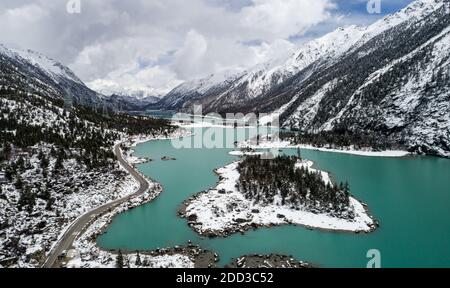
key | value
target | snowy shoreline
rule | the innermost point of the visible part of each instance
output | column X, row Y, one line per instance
column 222, row 211
column 86, row 253
column 89, row 255
column 134, row 141
column 347, row 150
column 79, row 192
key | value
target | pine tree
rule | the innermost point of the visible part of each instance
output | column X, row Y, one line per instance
column 7, row 151
column 138, row 260
column 19, row 183
column 9, row 172
column 20, row 164
column 59, row 161
column 119, row 260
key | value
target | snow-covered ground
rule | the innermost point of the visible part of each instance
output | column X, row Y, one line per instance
column 88, row 255
column 209, row 124
column 353, row 151
column 26, row 237
column 75, row 190
column 278, row 144
column 133, row 141
column 224, row 210
column 245, row 153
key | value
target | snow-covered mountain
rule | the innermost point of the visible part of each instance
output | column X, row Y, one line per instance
column 108, row 88
column 194, row 90
column 131, row 103
column 390, row 79
column 394, row 83
column 227, row 89
column 33, row 72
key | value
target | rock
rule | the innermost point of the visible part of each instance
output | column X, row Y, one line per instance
column 240, row 220
column 192, row 218
column 166, row 158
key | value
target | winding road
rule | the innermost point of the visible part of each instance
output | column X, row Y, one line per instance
column 79, row 225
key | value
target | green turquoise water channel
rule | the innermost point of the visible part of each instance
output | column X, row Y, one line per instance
column 409, row 196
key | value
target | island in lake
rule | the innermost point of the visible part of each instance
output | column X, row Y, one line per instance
column 257, row 192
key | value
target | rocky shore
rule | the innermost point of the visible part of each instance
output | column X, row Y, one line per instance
column 267, row 261
column 199, row 257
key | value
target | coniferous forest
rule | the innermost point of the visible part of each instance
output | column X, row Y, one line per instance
column 265, row 181
column 92, row 131
column 342, row 139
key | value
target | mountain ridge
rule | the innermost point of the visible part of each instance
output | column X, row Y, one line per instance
column 387, row 81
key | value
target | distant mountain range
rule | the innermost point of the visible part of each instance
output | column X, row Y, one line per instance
column 130, row 103
column 37, row 74
column 390, row 79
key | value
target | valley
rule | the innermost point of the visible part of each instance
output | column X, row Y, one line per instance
column 336, row 148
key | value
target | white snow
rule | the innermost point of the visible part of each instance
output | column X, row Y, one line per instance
column 245, row 153
column 309, row 164
column 89, row 255
column 308, row 109
column 75, row 192
column 278, row 144
column 215, row 211
column 52, row 68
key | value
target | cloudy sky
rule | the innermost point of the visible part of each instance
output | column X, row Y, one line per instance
column 154, row 45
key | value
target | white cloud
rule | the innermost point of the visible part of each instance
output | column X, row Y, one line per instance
column 153, row 81
column 153, row 45
column 281, row 19
column 190, row 57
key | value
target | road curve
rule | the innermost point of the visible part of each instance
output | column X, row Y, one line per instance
column 77, row 227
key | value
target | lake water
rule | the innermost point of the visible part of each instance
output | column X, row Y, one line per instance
column 409, row 196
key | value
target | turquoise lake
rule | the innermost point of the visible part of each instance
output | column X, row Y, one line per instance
column 410, row 197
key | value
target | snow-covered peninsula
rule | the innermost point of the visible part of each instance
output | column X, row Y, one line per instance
column 224, row 210
column 280, row 144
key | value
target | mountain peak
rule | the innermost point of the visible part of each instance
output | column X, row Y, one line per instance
column 39, row 74
column 52, row 68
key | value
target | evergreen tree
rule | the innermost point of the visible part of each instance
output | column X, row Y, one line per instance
column 19, row 183
column 119, row 260
column 7, row 151
column 262, row 180
column 138, row 260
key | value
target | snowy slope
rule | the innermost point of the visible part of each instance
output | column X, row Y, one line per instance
column 33, row 72
column 224, row 89
column 227, row 87
column 395, row 85
column 52, row 68
column 390, row 79
column 196, row 89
